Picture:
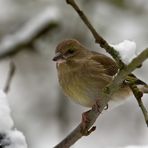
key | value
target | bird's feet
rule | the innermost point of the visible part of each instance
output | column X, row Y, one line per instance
column 97, row 106
column 85, row 119
column 85, row 124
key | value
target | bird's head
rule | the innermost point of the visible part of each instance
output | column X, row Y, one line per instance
column 69, row 50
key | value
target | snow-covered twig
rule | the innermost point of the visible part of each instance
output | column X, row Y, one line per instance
column 36, row 27
column 127, row 50
column 98, row 38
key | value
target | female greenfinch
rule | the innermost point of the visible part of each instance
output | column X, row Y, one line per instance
column 83, row 74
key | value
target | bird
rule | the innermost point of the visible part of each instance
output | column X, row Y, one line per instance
column 83, row 74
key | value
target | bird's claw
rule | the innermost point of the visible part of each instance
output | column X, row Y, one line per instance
column 85, row 119
column 96, row 106
column 84, row 124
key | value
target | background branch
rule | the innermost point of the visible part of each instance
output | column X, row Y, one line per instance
column 28, row 34
column 9, row 77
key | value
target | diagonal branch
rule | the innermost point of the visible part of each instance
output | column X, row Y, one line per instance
column 77, row 133
column 103, row 43
column 138, row 95
column 9, row 78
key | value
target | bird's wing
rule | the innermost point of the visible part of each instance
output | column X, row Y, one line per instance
column 93, row 71
column 109, row 65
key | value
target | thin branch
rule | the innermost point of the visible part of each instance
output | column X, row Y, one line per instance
column 9, row 78
column 138, row 95
column 77, row 133
column 103, row 43
column 32, row 30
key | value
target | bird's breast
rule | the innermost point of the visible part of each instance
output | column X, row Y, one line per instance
column 77, row 86
column 83, row 83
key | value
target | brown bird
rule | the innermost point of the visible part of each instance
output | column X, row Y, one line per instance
column 83, row 74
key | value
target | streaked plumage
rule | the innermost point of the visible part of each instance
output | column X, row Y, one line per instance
column 83, row 74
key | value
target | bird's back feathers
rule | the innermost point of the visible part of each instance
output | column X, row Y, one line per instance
column 109, row 65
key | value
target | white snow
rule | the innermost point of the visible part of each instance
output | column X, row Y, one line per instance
column 33, row 27
column 10, row 138
column 17, row 139
column 6, row 122
column 127, row 50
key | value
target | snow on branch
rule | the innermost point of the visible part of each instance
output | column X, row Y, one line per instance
column 126, row 49
column 98, row 38
column 36, row 27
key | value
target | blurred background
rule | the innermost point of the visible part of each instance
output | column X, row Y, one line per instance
column 39, row 108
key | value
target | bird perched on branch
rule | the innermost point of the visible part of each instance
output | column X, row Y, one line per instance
column 83, row 74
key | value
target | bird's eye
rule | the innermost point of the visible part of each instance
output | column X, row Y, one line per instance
column 71, row 51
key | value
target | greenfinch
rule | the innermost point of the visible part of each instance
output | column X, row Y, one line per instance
column 83, row 74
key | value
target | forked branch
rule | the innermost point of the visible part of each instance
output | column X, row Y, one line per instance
column 124, row 71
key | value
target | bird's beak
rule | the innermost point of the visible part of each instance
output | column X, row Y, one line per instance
column 58, row 58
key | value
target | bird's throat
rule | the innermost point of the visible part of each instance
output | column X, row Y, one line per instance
column 60, row 61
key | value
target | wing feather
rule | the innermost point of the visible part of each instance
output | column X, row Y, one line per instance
column 109, row 65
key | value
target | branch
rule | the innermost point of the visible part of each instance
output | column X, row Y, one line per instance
column 34, row 29
column 103, row 43
column 124, row 71
column 138, row 95
column 77, row 133
column 9, row 78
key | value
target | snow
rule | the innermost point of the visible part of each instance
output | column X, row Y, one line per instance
column 127, row 50
column 31, row 29
column 9, row 137
column 17, row 139
column 50, row 14
column 6, row 122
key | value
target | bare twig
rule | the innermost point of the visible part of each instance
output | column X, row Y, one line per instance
column 77, row 133
column 34, row 29
column 9, row 78
column 103, row 43
column 138, row 95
